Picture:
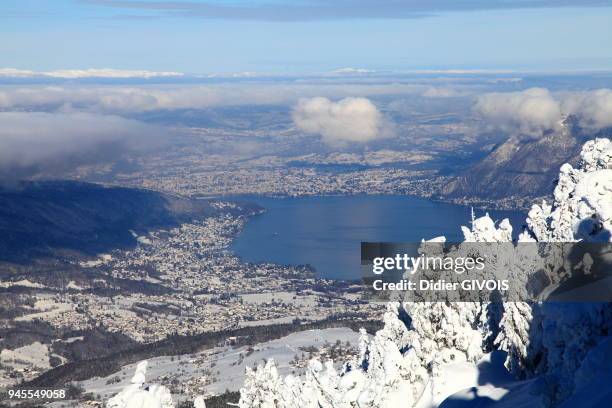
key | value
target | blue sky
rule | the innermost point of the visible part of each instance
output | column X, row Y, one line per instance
column 306, row 36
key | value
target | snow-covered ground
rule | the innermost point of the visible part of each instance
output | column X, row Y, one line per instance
column 486, row 379
column 35, row 354
column 45, row 308
column 222, row 362
column 495, row 388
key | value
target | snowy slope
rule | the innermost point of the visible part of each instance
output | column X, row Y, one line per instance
column 219, row 369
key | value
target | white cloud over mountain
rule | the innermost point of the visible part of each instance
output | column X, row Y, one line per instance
column 594, row 108
column 535, row 110
column 349, row 120
column 531, row 111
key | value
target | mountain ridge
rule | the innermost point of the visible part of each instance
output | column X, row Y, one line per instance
column 521, row 166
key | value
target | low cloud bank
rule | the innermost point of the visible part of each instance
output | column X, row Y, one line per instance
column 352, row 71
column 350, row 120
column 45, row 130
column 39, row 143
column 535, row 110
column 86, row 73
column 128, row 99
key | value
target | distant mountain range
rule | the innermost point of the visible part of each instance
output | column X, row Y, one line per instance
column 44, row 219
column 521, row 166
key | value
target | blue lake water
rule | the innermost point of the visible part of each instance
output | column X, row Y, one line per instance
column 326, row 232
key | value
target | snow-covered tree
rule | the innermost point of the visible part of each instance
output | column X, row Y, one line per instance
column 552, row 339
column 136, row 395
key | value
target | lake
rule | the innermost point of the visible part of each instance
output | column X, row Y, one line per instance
column 326, row 232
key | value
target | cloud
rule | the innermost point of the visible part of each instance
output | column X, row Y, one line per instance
column 126, row 99
column 87, row 73
column 352, row 71
column 442, row 92
column 17, row 73
column 348, row 120
column 39, row 143
column 318, row 10
column 535, row 110
column 531, row 111
column 593, row 109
